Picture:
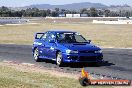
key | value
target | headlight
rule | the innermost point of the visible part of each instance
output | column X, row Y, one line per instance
column 99, row 51
column 71, row 51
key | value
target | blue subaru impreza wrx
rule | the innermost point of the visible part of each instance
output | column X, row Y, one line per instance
column 65, row 47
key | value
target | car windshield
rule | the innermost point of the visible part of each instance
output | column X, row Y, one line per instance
column 70, row 38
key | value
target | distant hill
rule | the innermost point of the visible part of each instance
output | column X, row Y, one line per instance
column 77, row 6
column 120, row 8
column 73, row 6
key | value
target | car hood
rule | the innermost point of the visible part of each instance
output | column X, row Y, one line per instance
column 80, row 47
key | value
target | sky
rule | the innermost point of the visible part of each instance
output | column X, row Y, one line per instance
column 20, row 3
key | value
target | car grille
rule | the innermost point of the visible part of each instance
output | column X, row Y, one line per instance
column 87, row 51
column 87, row 58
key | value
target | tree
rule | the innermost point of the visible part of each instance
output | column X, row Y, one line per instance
column 35, row 12
column 93, row 12
column 127, row 14
column 74, row 12
column 107, row 13
column 43, row 13
column 3, row 8
column 48, row 12
column 84, row 10
column 54, row 14
column 57, row 9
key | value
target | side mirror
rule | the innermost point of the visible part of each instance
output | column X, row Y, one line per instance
column 38, row 35
column 52, row 41
column 89, row 41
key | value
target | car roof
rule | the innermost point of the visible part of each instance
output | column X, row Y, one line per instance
column 61, row 31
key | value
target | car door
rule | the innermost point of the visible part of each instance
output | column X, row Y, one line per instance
column 50, row 47
column 42, row 47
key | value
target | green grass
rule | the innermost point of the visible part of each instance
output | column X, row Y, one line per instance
column 100, row 34
column 12, row 78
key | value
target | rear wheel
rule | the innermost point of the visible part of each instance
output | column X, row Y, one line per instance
column 97, row 64
column 36, row 55
column 59, row 59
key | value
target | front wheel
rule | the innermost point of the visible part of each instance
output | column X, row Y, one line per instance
column 36, row 55
column 59, row 59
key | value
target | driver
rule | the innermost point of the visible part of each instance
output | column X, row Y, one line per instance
column 68, row 38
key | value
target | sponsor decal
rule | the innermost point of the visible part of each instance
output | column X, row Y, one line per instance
column 67, row 33
column 37, row 43
column 51, row 48
column 86, row 80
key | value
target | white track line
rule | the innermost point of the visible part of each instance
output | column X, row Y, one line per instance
column 5, row 61
column 115, row 48
column 29, row 64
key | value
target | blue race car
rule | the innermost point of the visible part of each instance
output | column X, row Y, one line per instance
column 65, row 47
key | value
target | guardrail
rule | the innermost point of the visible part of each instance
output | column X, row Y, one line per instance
column 113, row 22
column 13, row 20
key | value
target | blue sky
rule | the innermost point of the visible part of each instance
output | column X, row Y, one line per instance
column 19, row 3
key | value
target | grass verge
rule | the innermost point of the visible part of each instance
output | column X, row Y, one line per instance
column 14, row 78
column 100, row 34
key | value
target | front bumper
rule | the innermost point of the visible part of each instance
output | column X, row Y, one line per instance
column 92, row 57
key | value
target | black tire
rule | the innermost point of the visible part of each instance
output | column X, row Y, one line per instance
column 97, row 64
column 36, row 55
column 59, row 59
column 84, row 81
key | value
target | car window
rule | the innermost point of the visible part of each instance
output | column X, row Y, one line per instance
column 44, row 37
column 70, row 38
column 50, row 36
column 79, row 38
column 47, row 37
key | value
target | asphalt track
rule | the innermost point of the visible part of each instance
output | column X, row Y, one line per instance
column 118, row 62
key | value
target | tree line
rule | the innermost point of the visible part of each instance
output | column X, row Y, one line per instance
column 35, row 12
